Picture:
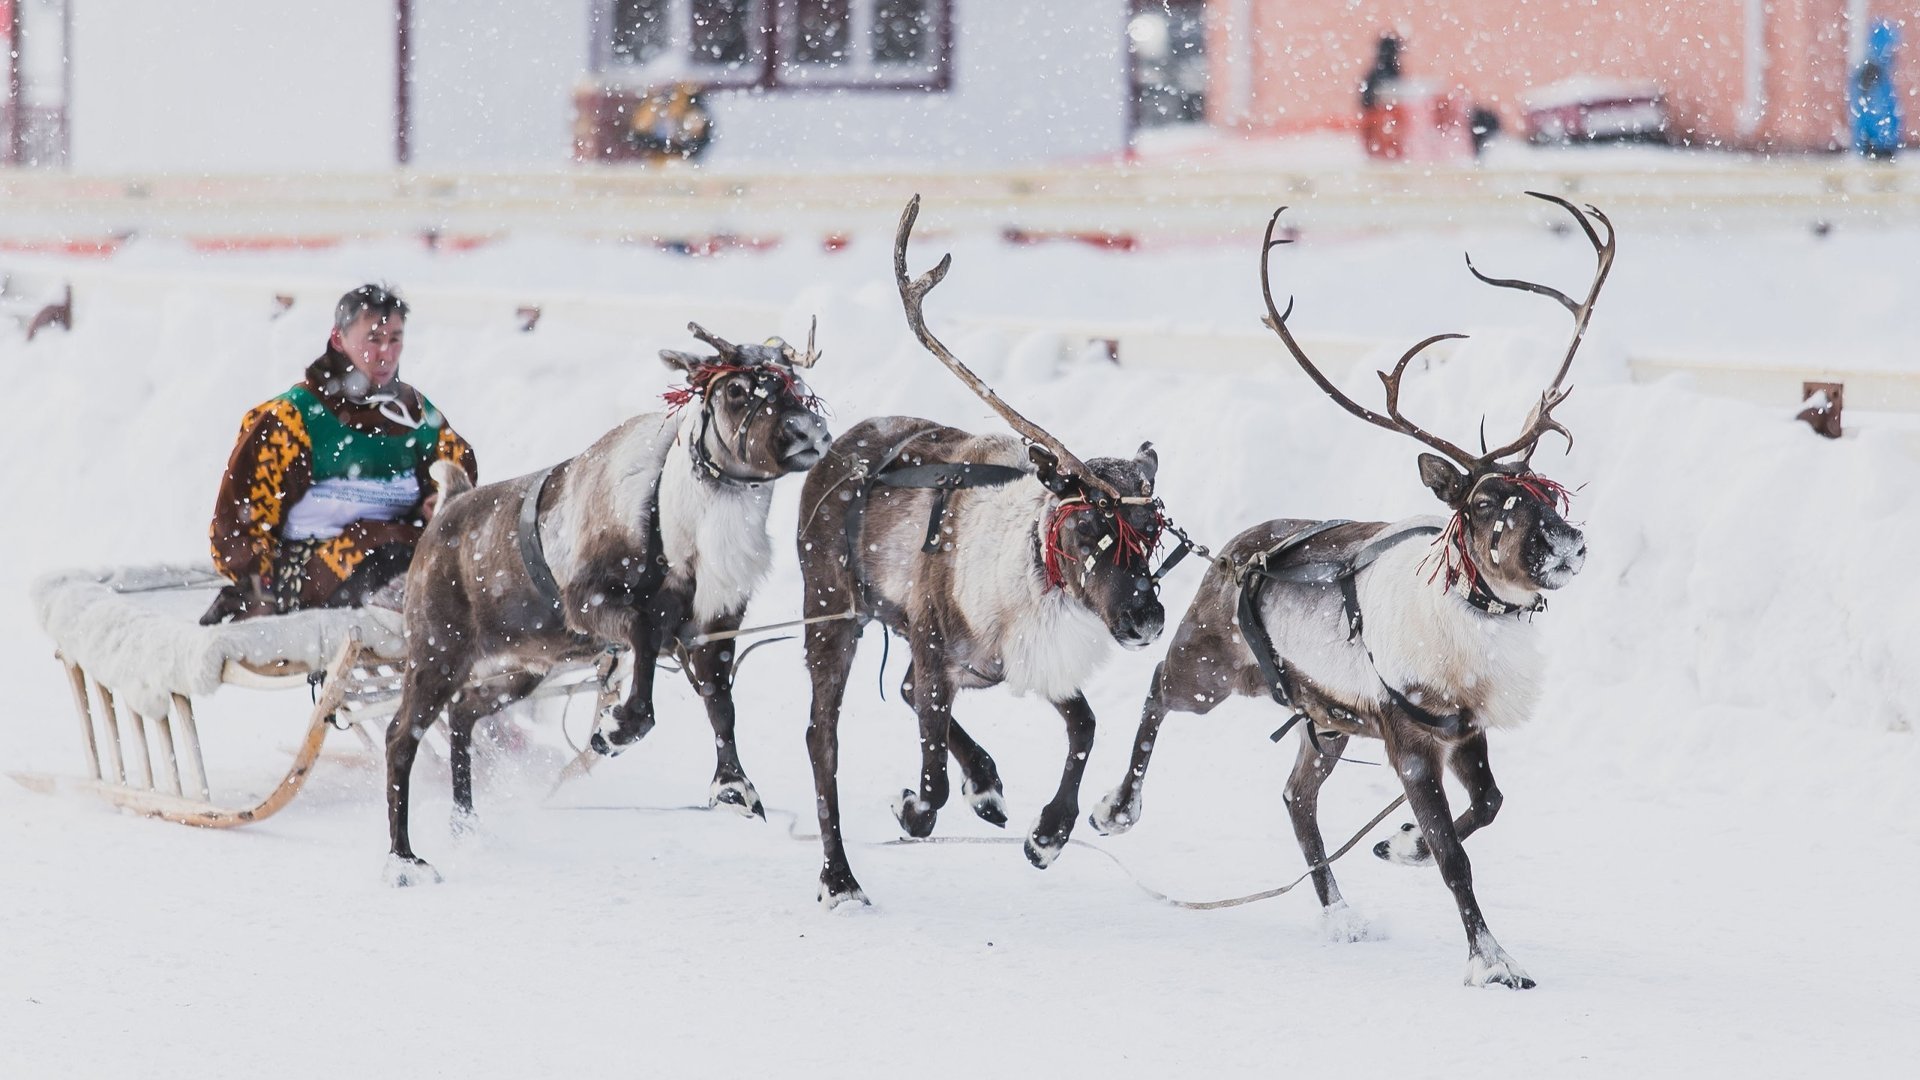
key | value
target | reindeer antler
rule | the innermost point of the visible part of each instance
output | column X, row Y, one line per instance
column 913, row 295
column 720, row 345
column 811, row 357
column 1276, row 321
column 1539, row 421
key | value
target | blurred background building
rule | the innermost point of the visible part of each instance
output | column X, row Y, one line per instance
column 273, row 86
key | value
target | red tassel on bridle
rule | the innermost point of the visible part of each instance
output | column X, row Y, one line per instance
column 1129, row 541
column 701, row 380
column 1456, row 562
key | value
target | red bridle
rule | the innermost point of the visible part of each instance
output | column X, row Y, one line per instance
column 1130, row 542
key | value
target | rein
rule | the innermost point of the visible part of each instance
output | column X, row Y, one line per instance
column 794, row 833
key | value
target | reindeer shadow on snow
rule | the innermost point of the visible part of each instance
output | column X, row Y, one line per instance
column 652, row 539
column 998, row 565
column 1417, row 633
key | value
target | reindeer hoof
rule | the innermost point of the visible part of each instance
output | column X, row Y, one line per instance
column 1406, row 847
column 403, row 871
column 610, row 741
column 737, row 795
column 1489, row 965
column 464, row 825
column 1482, row 971
column 1045, row 844
column 1342, row 924
column 915, row 816
column 1110, row 817
column 990, row 805
column 837, row 889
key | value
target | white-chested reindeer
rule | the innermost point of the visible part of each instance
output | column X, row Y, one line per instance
column 653, row 538
column 1417, row 633
column 999, row 565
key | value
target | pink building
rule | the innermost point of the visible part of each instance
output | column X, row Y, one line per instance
column 1748, row 74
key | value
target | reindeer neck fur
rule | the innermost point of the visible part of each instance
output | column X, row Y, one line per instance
column 715, row 534
column 714, row 537
column 1442, row 652
column 1048, row 641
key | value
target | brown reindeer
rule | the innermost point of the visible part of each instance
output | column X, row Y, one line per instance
column 653, row 538
column 1417, row 633
column 999, row 566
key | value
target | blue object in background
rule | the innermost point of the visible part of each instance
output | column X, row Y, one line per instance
column 1875, row 106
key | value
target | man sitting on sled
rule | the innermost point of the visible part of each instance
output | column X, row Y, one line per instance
column 328, row 490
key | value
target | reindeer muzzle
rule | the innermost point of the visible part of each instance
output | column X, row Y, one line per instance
column 1558, row 554
column 804, row 441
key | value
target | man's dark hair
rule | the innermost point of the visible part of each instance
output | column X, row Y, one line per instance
column 379, row 299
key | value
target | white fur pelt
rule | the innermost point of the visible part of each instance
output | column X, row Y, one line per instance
column 135, row 631
column 1049, row 642
column 714, row 533
column 1424, row 636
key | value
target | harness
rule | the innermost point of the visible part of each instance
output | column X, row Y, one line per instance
column 1252, row 576
column 703, row 462
column 943, row 477
column 533, row 555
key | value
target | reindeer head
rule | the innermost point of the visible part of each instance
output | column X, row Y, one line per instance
column 758, row 420
column 1100, row 551
column 1097, row 541
column 1507, row 541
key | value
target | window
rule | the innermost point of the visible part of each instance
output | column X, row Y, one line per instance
column 640, row 29
column 723, row 32
column 902, row 31
column 823, row 29
column 888, row 44
column 776, row 44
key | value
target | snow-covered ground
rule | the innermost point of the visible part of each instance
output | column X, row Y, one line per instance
column 1706, row 857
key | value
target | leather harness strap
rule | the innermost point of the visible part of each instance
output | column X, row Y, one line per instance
column 945, row 478
column 531, row 554
column 1256, row 571
column 534, row 558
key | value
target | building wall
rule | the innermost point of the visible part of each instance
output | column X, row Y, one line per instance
column 1299, row 63
column 493, row 81
column 1033, row 80
column 232, row 86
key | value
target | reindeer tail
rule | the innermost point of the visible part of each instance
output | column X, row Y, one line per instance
column 450, row 478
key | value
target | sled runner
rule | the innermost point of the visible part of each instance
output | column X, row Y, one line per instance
column 136, row 658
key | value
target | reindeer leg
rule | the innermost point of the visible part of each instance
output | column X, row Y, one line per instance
column 430, row 684
column 1419, row 767
column 632, row 718
column 469, row 706
column 710, row 670
column 1310, row 770
column 1468, row 764
column 829, row 660
column 980, row 777
column 933, row 703
column 1119, row 810
column 1055, row 825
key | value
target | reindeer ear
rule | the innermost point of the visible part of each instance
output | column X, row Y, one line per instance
column 1443, row 479
column 678, row 360
column 1047, row 469
column 1148, row 460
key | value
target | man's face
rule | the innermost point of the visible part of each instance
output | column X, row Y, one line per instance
column 373, row 343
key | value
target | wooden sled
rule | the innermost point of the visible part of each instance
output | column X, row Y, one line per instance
column 141, row 745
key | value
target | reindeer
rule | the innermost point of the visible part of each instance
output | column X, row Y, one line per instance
column 997, row 566
column 1417, row 633
column 653, row 538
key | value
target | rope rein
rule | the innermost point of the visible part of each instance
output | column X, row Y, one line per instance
column 794, row 833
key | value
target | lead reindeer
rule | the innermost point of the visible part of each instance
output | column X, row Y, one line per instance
column 653, row 538
column 1418, row 633
column 998, row 565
